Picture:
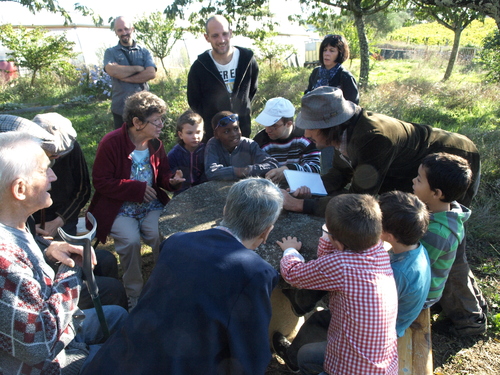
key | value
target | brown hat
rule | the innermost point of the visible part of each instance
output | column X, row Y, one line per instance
column 324, row 107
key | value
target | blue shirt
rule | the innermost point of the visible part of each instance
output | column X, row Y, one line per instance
column 412, row 273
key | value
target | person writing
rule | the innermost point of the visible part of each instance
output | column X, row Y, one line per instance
column 375, row 154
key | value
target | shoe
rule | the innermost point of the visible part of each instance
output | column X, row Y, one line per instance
column 472, row 329
column 280, row 345
column 446, row 326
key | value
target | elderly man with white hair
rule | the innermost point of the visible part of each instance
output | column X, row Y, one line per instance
column 206, row 308
column 41, row 327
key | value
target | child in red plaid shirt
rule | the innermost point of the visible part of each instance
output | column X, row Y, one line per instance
column 354, row 267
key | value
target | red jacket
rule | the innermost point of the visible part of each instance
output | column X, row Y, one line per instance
column 111, row 178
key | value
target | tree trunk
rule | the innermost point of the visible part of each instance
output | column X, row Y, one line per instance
column 454, row 53
column 364, row 70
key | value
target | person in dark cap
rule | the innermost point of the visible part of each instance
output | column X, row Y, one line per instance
column 374, row 154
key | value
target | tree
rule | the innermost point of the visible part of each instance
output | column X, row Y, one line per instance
column 35, row 49
column 273, row 52
column 455, row 19
column 53, row 6
column 238, row 12
column 159, row 34
column 490, row 58
column 487, row 7
column 359, row 10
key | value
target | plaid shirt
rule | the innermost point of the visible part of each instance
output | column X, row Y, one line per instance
column 363, row 302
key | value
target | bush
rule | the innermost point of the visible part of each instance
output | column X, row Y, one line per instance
column 95, row 82
column 490, row 56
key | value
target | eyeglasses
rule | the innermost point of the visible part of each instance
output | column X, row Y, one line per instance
column 158, row 122
column 223, row 122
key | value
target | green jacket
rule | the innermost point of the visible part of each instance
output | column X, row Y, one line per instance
column 384, row 155
column 444, row 234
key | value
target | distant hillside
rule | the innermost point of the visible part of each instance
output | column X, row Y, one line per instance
column 433, row 34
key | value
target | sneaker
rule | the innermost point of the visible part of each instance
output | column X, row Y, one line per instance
column 280, row 345
column 132, row 302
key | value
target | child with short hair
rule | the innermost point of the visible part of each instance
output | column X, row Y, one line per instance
column 404, row 220
column 442, row 179
column 355, row 268
column 229, row 156
column 189, row 153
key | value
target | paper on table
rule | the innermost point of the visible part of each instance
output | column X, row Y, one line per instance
column 297, row 179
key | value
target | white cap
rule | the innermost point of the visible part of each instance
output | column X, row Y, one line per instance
column 275, row 109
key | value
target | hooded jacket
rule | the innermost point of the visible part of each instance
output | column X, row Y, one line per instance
column 207, row 93
column 444, row 234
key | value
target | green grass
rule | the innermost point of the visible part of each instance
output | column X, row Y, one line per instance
column 408, row 90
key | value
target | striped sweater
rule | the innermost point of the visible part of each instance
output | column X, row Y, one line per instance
column 295, row 152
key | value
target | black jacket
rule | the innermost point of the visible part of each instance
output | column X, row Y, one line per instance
column 344, row 80
column 207, row 93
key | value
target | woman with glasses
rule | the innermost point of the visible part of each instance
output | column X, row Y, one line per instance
column 130, row 170
column 229, row 156
column 333, row 51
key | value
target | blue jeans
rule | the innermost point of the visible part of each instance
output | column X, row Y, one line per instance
column 91, row 333
column 311, row 357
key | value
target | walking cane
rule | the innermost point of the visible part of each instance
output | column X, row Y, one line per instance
column 84, row 240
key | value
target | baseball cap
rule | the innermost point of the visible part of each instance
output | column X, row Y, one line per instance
column 275, row 109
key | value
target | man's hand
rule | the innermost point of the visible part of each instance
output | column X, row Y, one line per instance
column 287, row 242
column 290, row 203
column 50, row 230
column 67, row 254
column 149, row 194
column 177, row 179
column 276, row 175
column 302, row 192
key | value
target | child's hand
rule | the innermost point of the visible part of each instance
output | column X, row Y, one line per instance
column 289, row 242
column 177, row 179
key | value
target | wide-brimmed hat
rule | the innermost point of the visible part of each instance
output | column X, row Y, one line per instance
column 323, row 108
column 61, row 128
column 275, row 109
column 16, row 123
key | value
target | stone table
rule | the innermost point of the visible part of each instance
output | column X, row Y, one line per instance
column 200, row 208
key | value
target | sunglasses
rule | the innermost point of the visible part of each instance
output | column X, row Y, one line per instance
column 335, row 37
column 225, row 121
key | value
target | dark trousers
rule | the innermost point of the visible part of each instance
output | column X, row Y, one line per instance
column 118, row 120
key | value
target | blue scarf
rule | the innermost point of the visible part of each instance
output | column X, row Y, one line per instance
column 325, row 75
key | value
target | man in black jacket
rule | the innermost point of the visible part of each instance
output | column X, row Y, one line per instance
column 223, row 78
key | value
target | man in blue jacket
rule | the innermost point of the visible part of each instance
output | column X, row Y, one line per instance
column 223, row 78
column 206, row 307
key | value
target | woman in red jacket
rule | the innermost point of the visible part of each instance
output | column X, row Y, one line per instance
column 130, row 170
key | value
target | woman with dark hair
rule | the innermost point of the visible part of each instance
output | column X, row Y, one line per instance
column 333, row 51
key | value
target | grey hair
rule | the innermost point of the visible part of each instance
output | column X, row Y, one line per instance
column 17, row 157
column 252, row 206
